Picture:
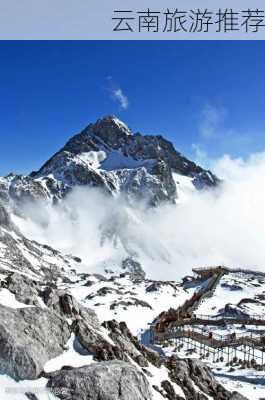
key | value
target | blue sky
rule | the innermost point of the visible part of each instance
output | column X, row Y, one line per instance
column 206, row 97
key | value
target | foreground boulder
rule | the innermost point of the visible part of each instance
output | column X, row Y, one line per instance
column 197, row 381
column 29, row 337
column 111, row 380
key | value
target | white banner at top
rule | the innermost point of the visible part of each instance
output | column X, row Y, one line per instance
column 132, row 20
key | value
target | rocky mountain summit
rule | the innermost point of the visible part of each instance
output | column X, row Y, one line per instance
column 109, row 156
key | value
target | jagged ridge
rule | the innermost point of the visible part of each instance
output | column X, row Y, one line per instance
column 108, row 155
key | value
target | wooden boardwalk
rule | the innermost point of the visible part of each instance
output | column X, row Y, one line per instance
column 181, row 325
column 220, row 320
column 216, row 340
column 228, row 347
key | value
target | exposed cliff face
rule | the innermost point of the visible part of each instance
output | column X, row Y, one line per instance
column 109, row 156
column 111, row 134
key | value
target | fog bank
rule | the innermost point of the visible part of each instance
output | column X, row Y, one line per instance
column 221, row 227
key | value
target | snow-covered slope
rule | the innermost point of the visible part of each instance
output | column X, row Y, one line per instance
column 237, row 292
column 135, row 302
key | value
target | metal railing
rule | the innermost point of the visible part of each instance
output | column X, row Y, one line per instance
column 229, row 317
column 215, row 340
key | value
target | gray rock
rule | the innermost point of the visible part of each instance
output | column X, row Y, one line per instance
column 153, row 183
column 90, row 338
column 169, row 389
column 12, row 255
column 25, row 289
column 134, row 268
column 4, row 217
column 237, row 396
column 85, row 324
column 24, row 188
column 231, row 310
column 187, row 372
column 113, row 380
column 29, row 337
column 146, row 147
column 205, row 179
column 129, row 345
column 28, row 257
column 132, row 301
column 66, row 305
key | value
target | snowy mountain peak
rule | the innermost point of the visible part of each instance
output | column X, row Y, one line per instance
column 109, row 127
column 111, row 121
column 107, row 155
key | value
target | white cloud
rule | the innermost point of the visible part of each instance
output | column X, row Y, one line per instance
column 239, row 169
column 121, row 97
column 117, row 93
column 210, row 120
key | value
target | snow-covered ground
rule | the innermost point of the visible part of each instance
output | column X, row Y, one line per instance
column 123, row 300
column 185, row 187
column 12, row 390
column 75, row 356
column 8, row 299
column 234, row 288
column 159, row 375
column 249, row 383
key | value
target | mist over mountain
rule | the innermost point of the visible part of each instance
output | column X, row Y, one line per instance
column 110, row 194
column 100, row 196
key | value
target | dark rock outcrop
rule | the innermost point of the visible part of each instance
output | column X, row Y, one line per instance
column 197, row 381
column 24, row 189
column 25, row 289
column 89, row 335
column 231, row 310
column 111, row 380
column 29, row 337
column 134, row 268
column 130, row 345
column 4, row 217
column 118, row 136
